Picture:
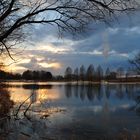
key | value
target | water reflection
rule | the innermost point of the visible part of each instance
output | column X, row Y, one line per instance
column 68, row 90
column 36, row 86
column 33, row 98
column 93, row 111
column 90, row 92
column 21, row 108
column 97, row 91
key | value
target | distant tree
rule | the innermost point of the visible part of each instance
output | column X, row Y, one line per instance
column 107, row 73
column 90, row 73
column 68, row 73
column 76, row 74
column 58, row 78
column 42, row 75
column 35, row 75
column 113, row 75
column 48, row 76
column 1, row 66
column 120, row 71
column 27, row 75
column 9, row 76
column 82, row 73
column 17, row 76
column 3, row 74
column 131, row 71
column 136, row 63
column 99, row 72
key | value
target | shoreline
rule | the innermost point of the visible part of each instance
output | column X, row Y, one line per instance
column 102, row 82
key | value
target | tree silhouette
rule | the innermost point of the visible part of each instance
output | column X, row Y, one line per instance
column 82, row 73
column 76, row 74
column 68, row 73
column 27, row 75
column 37, row 75
column 90, row 73
column 136, row 63
column 107, row 73
column 99, row 73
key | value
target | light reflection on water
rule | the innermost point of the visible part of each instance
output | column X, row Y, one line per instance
column 70, row 111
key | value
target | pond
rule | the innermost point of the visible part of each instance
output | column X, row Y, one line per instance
column 69, row 111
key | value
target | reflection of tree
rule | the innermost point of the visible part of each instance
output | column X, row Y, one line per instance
column 36, row 86
column 107, row 91
column 82, row 92
column 90, row 93
column 99, row 91
column 75, row 90
column 130, row 91
column 68, row 90
column 120, row 91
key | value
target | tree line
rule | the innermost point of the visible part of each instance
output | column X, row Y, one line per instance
column 80, row 74
column 26, row 75
column 97, row 74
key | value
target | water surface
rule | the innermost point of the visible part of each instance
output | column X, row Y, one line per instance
column 69, row 111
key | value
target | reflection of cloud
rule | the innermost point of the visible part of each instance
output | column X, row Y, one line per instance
column 17, row 93
column 41, row 95
column 44, row 94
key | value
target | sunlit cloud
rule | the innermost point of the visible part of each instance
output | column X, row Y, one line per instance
column 51, row 48
column 51, row 65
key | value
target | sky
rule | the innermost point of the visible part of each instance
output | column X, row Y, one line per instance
column 106, row 45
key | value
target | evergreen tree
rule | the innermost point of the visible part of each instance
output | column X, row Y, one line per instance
column 68, row 73
column 90, row 73
column 82, row 73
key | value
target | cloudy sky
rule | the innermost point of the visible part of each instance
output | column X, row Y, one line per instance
column 108, row 46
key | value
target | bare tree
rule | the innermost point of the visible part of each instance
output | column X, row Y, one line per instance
column 136, row 63
column 67, row 15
